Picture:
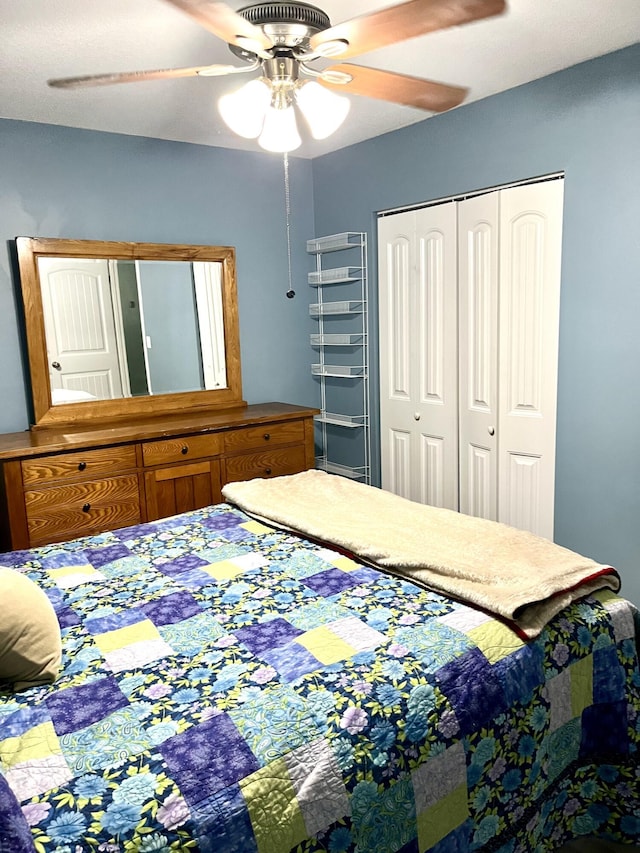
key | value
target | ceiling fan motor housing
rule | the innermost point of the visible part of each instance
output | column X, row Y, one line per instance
column 288, row 25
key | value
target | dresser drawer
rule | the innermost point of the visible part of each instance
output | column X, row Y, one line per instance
column 77, row 509
column 78, row 464
column 250, row 438
column 178, row 449
column 270, row 463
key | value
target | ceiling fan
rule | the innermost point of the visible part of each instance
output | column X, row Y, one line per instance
column 284, row 40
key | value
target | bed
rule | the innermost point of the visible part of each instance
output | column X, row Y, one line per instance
column 232, row 686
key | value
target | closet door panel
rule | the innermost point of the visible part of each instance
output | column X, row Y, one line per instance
column 437, row 361
column 418, row 359
column 530, row 252
column 396, row 381
column 524, row 480
column 398, row 469
column 478, row 223
column 399, row 314
column 479, row 487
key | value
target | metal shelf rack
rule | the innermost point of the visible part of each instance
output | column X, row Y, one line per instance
column 343, row 330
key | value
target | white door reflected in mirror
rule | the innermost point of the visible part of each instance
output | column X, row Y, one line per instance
column 98, row 312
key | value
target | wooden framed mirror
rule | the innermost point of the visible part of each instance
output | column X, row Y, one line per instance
column 117, row 329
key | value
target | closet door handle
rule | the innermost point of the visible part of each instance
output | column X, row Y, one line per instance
column 491, row 431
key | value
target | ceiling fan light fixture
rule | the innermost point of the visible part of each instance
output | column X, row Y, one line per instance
column 280, row 133
column 323, row 110
column 244, row 110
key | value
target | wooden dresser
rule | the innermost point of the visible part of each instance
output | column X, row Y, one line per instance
column 60, row 484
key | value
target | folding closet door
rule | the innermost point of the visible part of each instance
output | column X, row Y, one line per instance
column 469, row 322
column 529, row 323
column 418, row 354
column 478, row 229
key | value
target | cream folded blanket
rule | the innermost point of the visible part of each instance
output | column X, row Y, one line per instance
column 511, row 573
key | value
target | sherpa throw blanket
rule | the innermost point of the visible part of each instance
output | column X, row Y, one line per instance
column 511, row 573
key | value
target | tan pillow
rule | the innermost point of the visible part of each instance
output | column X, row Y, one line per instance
column 30, row 645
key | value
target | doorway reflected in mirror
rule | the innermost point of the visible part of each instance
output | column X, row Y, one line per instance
column 119, row 328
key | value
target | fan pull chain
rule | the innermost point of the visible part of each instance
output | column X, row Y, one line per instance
column 287, row 206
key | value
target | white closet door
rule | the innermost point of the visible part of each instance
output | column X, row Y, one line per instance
column 478, row 225
column 496, row 257
column 418, row 355
column 530, row 259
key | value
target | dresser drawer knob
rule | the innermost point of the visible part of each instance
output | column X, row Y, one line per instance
column 267, row 471
column 86, row 507
column 184, row 450
column 82, row 466
column 267, row 436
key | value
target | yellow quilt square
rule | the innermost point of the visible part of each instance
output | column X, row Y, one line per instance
column 72, row 570
column 223, row 570
column 121, row 637
column 581, row 685
column 442, row 818
column 69, row 577
column 326, row 646
column 275, row 827
column 346, row 564
column 495, row 640
column 39, row 742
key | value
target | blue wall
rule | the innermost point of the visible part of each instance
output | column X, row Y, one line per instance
column 171, row 326
column 61, row 182
column 586, row 122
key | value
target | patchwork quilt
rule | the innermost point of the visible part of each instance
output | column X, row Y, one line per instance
column 231, row 688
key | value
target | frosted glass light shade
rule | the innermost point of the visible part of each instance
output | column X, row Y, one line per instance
column 323, row 110
column 280, row 132
column 244, row 111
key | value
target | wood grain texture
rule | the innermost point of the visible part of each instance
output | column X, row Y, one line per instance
column 275, row 462
column 264, row 436
column 81, row 508
column 181, row 488
column 49, row 416
column 397, row 88
column 402, row 21
column 181, row 448
column 80, row 464
column 14, row 532
column 58, row 485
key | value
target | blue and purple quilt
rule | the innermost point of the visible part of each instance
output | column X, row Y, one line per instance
column 230, row 688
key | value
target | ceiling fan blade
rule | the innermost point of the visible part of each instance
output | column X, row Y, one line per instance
column 222, row 21
column 137, row 76
column 397, row 88
column 404, row 21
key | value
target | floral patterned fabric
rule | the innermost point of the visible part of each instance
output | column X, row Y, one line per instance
column 229, row 688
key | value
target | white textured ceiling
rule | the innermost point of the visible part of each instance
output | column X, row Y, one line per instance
column 41, row 39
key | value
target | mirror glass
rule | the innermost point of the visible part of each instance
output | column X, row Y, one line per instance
column 117, row 329
column 130, row 328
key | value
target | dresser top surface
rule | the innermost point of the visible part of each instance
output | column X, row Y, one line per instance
column 39, row 441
